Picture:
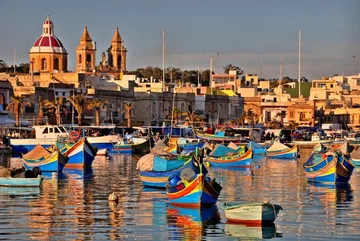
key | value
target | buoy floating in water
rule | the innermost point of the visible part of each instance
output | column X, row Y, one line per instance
column 113, row 197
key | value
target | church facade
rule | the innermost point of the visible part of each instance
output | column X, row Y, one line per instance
column 48, row 54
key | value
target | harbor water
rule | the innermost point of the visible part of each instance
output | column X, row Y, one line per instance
column 74, row 206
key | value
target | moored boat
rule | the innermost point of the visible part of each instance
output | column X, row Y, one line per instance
column 44, row 159
column 80, row 155
column 134, row 145
column 279, row 151
column 20, row 182
column 355, row 157
column 257, row 148
column 251, row 213
column 328, row 167
column 219, row 137
column 154, row 170
column 240, row 159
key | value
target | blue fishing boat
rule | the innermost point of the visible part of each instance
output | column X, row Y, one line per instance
column 134, row 145
column 193, row 188
column 20, row 182
column 155, row 170
column 279, row 151
column 257, row 148
column 44, row 159
column 186, row 145
column 80, row 155
column 329, row 167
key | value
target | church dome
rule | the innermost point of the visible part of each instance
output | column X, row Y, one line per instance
column 48, row 42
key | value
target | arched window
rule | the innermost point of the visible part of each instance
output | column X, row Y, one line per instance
column 88, row 60
column 80, row 59
column 119, row 61
column 56, row 64
column 43, row 64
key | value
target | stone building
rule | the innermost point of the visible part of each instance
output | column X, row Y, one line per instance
column 48, row 55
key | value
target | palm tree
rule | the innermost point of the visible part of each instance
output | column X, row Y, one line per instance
column 191, row 118
column 45, row 108
column 175, row 115
column 242, row 119
column 97, row 104
column 16, row 106
column 282, row 115
column 78, row 101
column 128, row 107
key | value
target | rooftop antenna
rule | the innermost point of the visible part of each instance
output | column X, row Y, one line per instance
column 211, row 85
column 198, row 75
column 14, row 61
column 217, row 61
column 281, row 69
column 261, row 65
column 299, row 62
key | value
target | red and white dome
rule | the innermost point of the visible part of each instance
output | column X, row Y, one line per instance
column 48, row 42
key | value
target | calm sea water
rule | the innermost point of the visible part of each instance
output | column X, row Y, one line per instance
column 76, row 206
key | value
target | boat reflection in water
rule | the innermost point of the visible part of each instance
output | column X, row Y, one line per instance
column 332, row 194
column 190, row 223
column 20, row 191
column 251, row 232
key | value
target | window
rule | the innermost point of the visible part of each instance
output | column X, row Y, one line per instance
column 43, row 64
column 80, row 59
column 291, row 114
column 331, row 86
column 51, row 130
column 302, row 115
column 62, row 129
column 56, row 64
column 45, row 131
column 56, row 93
column 56, row 130
column 358, row 82
column 63, row 93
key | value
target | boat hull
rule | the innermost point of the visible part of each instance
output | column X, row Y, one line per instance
column 218, row 139
column 355, row 161
column 291, row 154
column 20, row 182
column 54, row 163
column 158, row 179
column 81, row 155
column 141, row 148
column 231, row 161
column 252, row 214
column 198, row 193
column 329, row 171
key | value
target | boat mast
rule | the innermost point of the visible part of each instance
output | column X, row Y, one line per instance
column 211, row 84
column 163, row 58
column 299, row 62
column 72, row 111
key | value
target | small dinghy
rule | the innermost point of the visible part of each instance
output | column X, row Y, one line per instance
column 251, row 213
column 280, row 151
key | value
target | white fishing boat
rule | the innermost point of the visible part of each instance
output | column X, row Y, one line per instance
column 315, row 139
column 251, row 213
column 47, row 135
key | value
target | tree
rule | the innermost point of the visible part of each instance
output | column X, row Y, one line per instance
column 58, row 105
column 2, row 66
column 242, row 119
column 205, row 77
column 78, row 101
column 282, row 115
column 191, row 118
column 285, row 80
column 46, row 108
column 303, row 79
column 128, row 107
column 23, row 68
column 229, row 67
column 173, row 74
column 97, row 104
column 16, row 106
column 274, row 84
column 175, row 115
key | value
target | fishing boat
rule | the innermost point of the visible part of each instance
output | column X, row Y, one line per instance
column 44, row 159
column 218, row 137
column 134, row 145
column 251, row 213
column 20, row 182
column 47, row 135
column 257, row 148
column 328, row 167
column 193, row 188
column 154, row 170
column 80, row 154
column 240, row 159
column 187, row 145
column 279, row 151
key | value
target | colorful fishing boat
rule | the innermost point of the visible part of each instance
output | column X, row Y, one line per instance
column 329, row 167
column 154, row 170
column 134, row 145
column 80, row 155
column 251, row 213
column 257, row 148
column 44, row 159
column 193, row 188
column 240, row 159
column 279, row 151
column 219, row 137
column 186, row 145
column 20, row 182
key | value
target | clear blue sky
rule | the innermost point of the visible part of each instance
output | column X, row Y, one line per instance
column 242, row 32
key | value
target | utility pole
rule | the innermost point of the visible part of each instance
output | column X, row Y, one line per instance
column 261, row 69
column 211, row 86
column 14, row 61
column 198, row 75
column 281, row 69
column 163, row 56
column 299, row 62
